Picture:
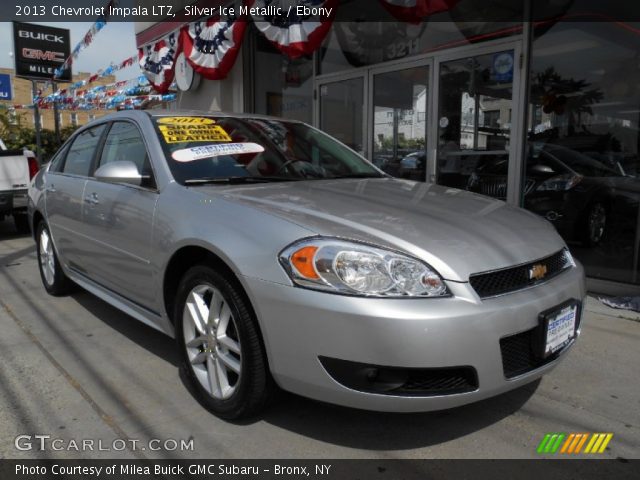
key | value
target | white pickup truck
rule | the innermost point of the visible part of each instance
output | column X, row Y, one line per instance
column 17, row 168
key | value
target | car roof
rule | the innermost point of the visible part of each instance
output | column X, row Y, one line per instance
column 214, row 113
column 184, row 113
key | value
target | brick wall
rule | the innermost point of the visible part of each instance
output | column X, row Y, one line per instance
column 21, row 90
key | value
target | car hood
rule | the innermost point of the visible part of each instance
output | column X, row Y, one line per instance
column 456, row 232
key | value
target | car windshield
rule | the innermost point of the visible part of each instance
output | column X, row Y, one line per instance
column 210, row 149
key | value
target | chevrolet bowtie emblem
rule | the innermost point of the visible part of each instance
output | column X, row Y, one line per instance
column 537, row 272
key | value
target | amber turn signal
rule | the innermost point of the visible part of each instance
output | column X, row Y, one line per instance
column 303, row 261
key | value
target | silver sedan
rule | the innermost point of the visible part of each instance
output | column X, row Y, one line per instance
column 278, row 257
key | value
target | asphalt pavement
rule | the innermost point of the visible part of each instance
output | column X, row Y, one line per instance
column 75, row 369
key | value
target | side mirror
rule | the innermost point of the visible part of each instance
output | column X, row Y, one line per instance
column 119, row 172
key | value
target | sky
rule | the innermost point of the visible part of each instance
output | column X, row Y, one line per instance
column 114, row 43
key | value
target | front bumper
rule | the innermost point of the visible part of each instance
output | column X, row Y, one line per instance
column 299, row 326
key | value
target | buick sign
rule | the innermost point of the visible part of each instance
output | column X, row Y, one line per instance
column 40, row 50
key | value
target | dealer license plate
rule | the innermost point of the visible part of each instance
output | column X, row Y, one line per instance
column 560, row 328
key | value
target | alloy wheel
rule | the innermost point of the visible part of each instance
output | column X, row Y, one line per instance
column 212, row 343
column 47, row 257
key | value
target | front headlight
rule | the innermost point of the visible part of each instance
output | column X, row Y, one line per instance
column 340, row 266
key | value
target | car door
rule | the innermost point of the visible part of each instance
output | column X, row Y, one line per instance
column 121, row 219
column 64, row 190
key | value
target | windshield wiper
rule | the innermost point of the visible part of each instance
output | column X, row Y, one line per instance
column 236, row 180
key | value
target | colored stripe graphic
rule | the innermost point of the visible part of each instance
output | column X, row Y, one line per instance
column 572, row 443
column 598, row 443
column 551, row 442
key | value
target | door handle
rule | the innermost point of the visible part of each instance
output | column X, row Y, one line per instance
column 51, row 188
column 92, row 199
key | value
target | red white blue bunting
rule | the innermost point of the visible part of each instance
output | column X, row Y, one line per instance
column 294, row 35
column 211, row 47
column 415, row 11
column 158, row 59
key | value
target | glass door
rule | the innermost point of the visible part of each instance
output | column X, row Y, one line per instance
column 476, row 111
column 341, row 110
column 399, row 117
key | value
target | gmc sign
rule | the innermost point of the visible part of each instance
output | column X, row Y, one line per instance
column 40, row 50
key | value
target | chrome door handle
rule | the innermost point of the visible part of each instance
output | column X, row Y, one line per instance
column 92, row 199
column 51, row 188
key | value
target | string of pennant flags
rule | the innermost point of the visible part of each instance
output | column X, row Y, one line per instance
column 87, row 39
column 108, row 96
column 104, row 72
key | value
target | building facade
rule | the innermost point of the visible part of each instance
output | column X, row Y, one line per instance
column 21, row 93
column 543, row 114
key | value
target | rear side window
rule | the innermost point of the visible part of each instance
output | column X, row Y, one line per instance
column 81, row 152
column 58, row 159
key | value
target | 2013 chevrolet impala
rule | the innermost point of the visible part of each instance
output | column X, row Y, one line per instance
column 278, row 256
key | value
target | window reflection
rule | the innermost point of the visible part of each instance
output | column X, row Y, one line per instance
column 582, row 166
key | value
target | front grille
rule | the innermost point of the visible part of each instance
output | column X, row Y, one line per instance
column 385, row 380
column 507, row 280
column 519, row 353
column 496, row 188
column 440, row 381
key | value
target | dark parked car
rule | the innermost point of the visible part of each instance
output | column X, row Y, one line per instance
column 572, row 190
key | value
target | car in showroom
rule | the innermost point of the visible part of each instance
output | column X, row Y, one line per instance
column 278, row 257
column 578, row 193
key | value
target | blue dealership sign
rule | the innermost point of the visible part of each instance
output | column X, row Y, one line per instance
column 5, row 87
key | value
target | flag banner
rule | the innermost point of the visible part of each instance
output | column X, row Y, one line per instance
column 211, row 47
column 295, row 31
column 415, row 11
column 158, row 60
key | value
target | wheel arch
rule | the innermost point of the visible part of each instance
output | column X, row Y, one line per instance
column 190, row 255
column 37, row 218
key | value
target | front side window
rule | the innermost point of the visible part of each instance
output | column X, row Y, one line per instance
column 82, row 150
column 204, row 149
column 124, row 143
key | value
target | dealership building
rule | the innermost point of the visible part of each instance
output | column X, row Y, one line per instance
column 533, row 102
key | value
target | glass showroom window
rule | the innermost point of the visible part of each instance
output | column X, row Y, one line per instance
column 582, row 168
column 377, row 36
column 281, row 87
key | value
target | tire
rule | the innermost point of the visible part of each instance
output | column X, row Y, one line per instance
column 53, row 278
column 222, row 358
column 21, row 221
column 594, row 224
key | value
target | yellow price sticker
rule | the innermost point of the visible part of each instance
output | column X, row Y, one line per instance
column 186, row 121
column 193, row 133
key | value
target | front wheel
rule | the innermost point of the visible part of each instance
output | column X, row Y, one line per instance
column 53, row 278
column 220, row 345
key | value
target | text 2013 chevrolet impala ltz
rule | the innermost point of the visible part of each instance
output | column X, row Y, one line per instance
column 277, row 256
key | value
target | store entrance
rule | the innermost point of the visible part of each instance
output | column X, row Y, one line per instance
column 475, row 118
column 399, row 101
column 449, row 118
